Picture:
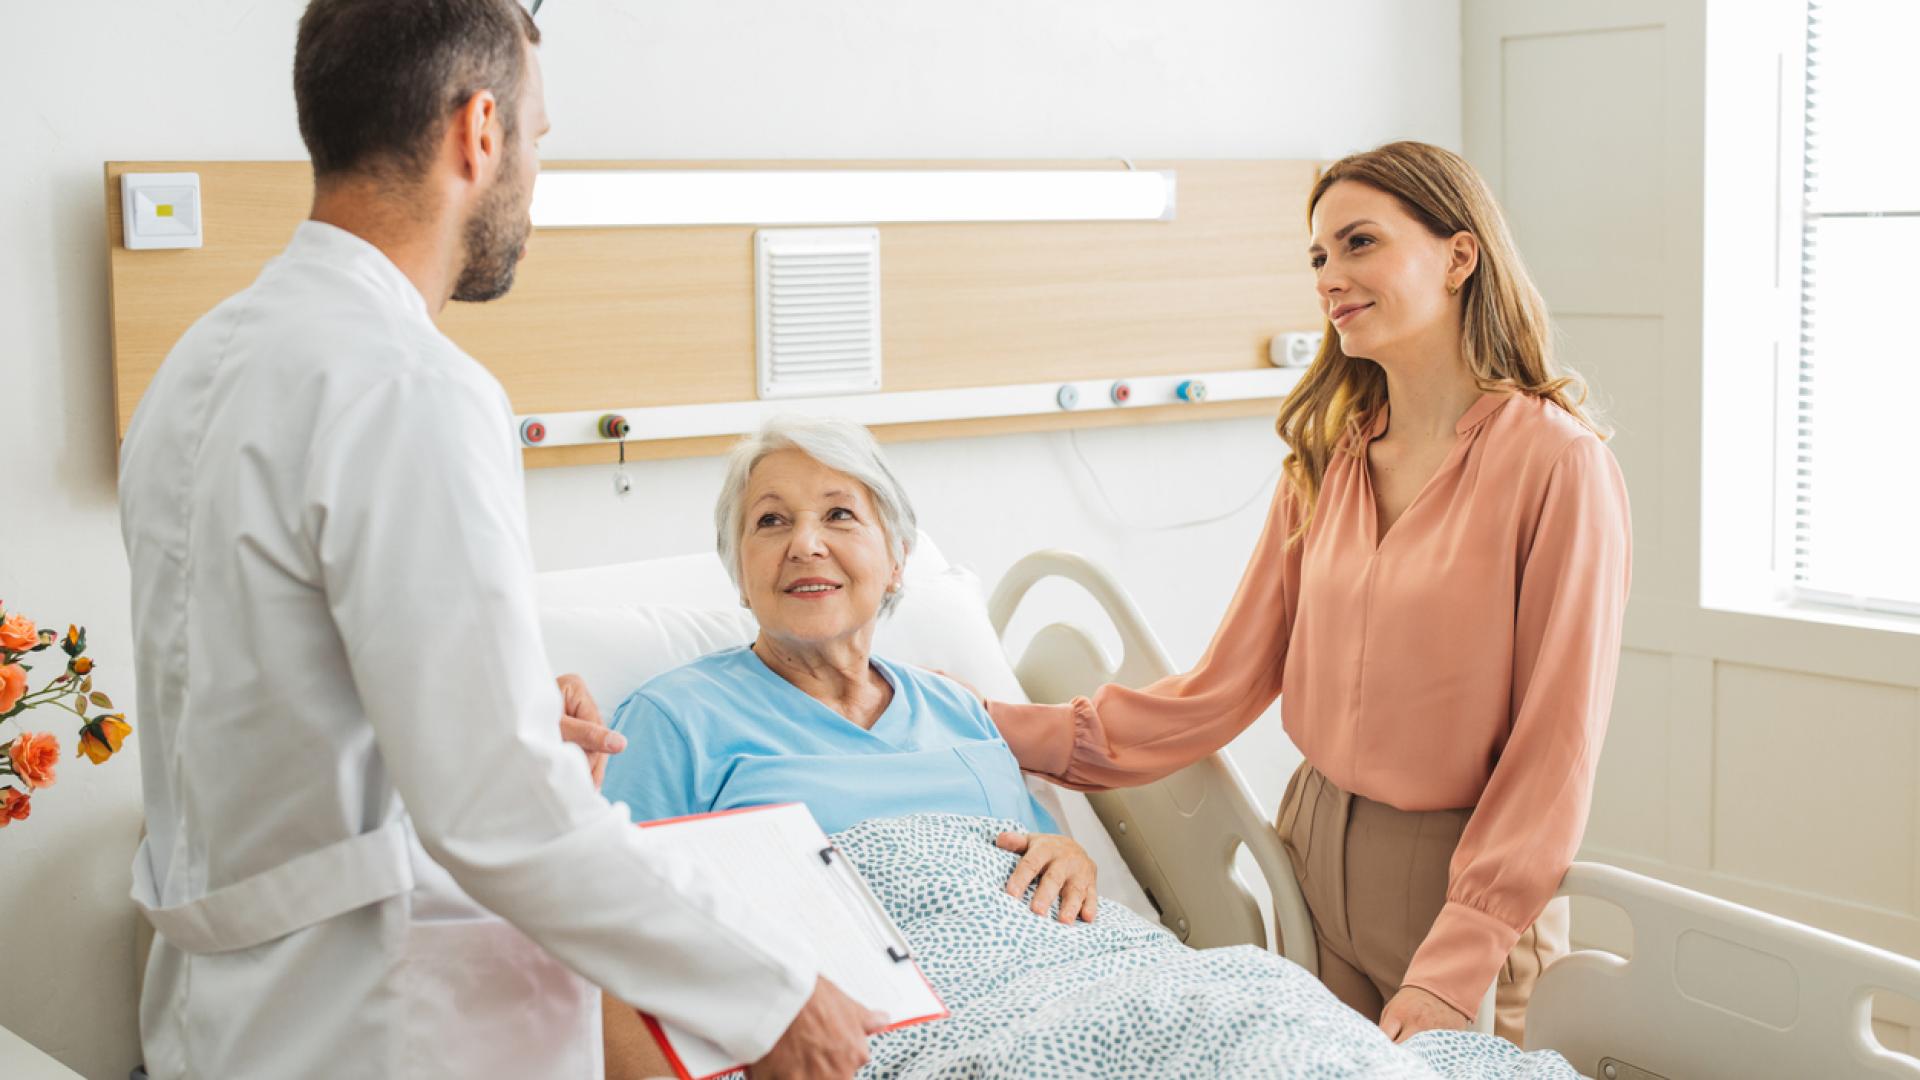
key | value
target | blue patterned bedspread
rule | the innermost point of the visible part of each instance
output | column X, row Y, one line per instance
column 1120, row 997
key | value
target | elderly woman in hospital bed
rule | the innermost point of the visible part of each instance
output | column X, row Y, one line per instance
column 814, row 530
column 909, row 773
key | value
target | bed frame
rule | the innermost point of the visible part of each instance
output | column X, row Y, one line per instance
column 1713, row 988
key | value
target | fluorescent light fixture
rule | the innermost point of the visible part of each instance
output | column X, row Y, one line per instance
column 592, row 198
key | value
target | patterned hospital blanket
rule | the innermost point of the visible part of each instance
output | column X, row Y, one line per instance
column 1120, row 997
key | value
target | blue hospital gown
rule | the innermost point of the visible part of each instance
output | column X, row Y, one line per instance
column 725, row 732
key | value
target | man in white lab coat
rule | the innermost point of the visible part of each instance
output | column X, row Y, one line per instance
column 369, row 853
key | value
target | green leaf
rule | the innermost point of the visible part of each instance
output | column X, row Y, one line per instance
column 80, row 705
column 101, row 700
column 86, row 687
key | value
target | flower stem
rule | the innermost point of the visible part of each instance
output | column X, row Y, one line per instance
column 34, row 701
column 45, row 694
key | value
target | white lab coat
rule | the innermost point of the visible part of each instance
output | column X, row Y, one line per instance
column 348, row 735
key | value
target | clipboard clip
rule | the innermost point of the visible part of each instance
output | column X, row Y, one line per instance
column 898, row 956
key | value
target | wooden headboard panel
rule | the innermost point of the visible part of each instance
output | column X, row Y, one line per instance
column 665, row 316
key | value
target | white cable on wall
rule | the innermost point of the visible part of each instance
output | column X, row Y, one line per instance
column 1113, row 510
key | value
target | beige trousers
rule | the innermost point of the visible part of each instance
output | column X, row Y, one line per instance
column 1375, row 878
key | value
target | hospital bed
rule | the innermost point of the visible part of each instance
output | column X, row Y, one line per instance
column 1712, row 989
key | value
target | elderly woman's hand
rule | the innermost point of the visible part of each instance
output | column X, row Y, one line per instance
column 1065, row 871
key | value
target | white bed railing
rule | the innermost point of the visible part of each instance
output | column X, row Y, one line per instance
column 1714, row 989
column 1179, row 836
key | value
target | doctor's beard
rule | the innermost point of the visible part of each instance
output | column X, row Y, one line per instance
column 496, row 236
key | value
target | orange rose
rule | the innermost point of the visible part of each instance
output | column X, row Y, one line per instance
column 34, row 756
column 17, row 633
column 80, row 665
column 15, row 805
column 101, row 739
column 13, row 685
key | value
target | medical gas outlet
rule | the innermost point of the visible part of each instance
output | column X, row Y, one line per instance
column 1294, row 350
column 651, row 423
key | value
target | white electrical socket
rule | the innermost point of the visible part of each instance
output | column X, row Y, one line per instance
column 1294, row 350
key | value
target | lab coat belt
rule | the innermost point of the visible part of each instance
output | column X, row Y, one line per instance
column 294, row 895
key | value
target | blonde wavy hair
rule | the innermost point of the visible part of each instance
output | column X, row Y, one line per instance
column 1505, row 336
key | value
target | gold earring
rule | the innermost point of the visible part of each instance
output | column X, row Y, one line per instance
column 1453, row 289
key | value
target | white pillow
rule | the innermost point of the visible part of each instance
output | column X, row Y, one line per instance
column 941, row 623
column 617, row 648
column 686, row 581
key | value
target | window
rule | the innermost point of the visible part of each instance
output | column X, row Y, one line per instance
column 1854, row 486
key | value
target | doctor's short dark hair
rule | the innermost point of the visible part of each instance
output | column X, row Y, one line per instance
column 377, row 81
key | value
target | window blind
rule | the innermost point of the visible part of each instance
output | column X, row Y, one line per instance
column 1855, row 488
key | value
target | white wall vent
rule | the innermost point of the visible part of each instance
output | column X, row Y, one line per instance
column 818, row 297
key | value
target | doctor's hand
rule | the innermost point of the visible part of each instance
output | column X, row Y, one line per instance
column 1065, row 871
column 1414, row 1010
column 581, row 725
column 827, row 1039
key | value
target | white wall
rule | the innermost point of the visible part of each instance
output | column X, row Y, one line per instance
column 86, row 81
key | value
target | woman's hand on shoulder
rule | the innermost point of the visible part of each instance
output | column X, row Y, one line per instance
column 964, row 685
column 1064, row 869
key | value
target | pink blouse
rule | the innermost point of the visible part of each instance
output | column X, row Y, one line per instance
column 1466, row 659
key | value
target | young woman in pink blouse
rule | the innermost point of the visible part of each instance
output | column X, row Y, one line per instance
column 1438, row 592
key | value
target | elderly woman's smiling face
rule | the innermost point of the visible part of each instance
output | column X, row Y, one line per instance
column 814, row 558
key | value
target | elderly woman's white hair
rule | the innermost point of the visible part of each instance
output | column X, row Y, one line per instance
column 840, row 445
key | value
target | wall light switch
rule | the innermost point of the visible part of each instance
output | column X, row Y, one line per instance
column 160, row 210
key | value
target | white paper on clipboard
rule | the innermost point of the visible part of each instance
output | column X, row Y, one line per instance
column 777, row 859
